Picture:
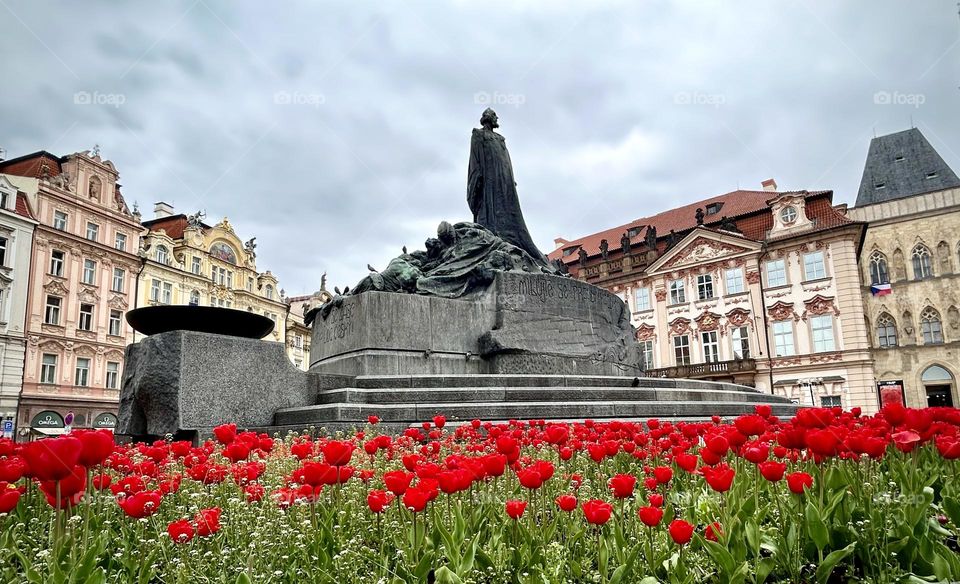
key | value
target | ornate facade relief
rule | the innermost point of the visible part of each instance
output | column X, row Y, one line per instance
column 645, row 332
column 117, row 302
column 680, row 326
column 819, row 305
column 56, row 287
column 782, row 311
column 708, row 321
column 701, row 250
column 739, row 317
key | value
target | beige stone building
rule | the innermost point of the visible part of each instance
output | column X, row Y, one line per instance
column 298, row 333
column 187, row 261
column 911, row 200
column 754, row 287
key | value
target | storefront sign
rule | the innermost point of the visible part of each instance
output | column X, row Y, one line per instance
column 891, row 392
column 47, row 419
column 105, row 420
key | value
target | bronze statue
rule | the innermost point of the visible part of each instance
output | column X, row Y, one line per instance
column 604, row 248
column 625, row 243
column 582, row 255
column 699, row 216
column 492, row 191
column 651, row 238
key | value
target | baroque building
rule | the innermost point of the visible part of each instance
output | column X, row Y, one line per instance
column 910, row 269
column 298, row 333
column 187, row 261
column 81, row 281
column 752, row 287
column 16, row 239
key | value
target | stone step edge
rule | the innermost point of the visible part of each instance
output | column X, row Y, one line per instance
column 441, row 406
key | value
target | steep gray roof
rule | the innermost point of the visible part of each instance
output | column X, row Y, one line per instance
column 901, row 165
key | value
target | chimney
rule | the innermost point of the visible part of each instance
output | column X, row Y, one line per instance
column 3, row 154
column 559, row 242
column 161, row 210
column 769, row 185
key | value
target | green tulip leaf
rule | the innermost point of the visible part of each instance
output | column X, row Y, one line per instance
column 830, row 562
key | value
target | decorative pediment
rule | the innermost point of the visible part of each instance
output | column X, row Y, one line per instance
column 680, row 326
column 739, row 317
column 113, row 354
column 701, row 250
column 56, row 287
column 117, row 302
column 708, row 321
column 51, row 345
column 85, row 351
column 89, row 295
column 820, row 305
column 782, row 311
column 645, row 332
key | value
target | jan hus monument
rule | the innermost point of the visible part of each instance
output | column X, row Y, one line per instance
column 479, row 324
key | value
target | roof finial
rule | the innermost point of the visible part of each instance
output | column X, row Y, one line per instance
column 96, row 150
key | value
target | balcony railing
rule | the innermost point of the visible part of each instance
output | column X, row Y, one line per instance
column 710, row 370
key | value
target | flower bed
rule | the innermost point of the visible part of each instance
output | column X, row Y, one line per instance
column 829, row 496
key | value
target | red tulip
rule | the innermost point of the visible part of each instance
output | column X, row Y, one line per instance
column 650, row 516
column 686, row 461
column 718, row 444
column 567, row 502
column 656, row 499
column 680, row 531
column 515, row 509
column 181, row 531
column 225, row 433
column 9, row 496
column 798, row 482
column 439, row 421
column 207, row 521
column 906, row 440
column 373, row 420
column 254, row 492
column 397, row 481
column 597, row 512
column 772, row 470
column 823, row 442
column 622, row 485
column 530, row 478
column 11, row 469
column 948, row 448
column 140, row 505
column 664, row 474
column 379, row 500
column 236, row 451
column 415, row 499
column 338, row 452
column 52, row 459
column 97, row 446
column 719, row 477
column 712, row 532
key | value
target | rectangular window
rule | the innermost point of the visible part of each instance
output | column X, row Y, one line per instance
column 121, row 242
column 93, row 230
column 646, row 354
column 119, row 275
column 776, row 273
column 115, row 323
column 250, row 284
column 813, row 266
column 48, row 369
column 167, row 292
column 830, row 401
column 230, row 280
column 783, row 338
column 155, row 290
column 213, row 274
column 643, row 299
column 56, row 263
column 89, row 272
column 221, row 276
column 86, row 317
column 195, row 266
column 82, row 378
column 822, row 328
column 52, row 314
column 60, row 220
column 734, row 281
column 298, row 341
column 677, row 294
column 112, row 380
column 705, row 287
column 681, row 349
column 711, row 349
column 741, row 343
column 3, row 251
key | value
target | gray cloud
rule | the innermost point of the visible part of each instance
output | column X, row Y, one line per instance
column 338, row 133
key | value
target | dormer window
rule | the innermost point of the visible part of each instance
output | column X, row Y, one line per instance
column 880, row 185
column 788, row 214
column 899, row 158
column 569, row 251
column 3, row 199
column 714, row 208
column 930, row 175
column 161, row 254
column 633, row 232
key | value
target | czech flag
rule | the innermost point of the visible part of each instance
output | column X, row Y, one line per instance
column 880, row 289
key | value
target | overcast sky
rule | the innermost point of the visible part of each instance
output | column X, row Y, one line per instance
column 337, row 133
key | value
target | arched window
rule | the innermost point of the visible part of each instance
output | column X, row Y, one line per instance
column 921, row 262
column 268, row 291
column 195, row 298
column 931, row 327
column 886, row 331
column 878, row 269
column 939, row 386
column 162, row 254
column 935, row 373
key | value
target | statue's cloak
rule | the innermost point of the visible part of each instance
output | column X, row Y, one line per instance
column 492, row 192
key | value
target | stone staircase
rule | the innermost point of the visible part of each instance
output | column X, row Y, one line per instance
column 406, row 400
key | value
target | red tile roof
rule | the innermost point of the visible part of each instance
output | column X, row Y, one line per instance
column 174, row 225
column 740, row 205
column 23, row 207
column 32, row 165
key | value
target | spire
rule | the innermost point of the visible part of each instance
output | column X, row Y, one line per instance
column 901, row 165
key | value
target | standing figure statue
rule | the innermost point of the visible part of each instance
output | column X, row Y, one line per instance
column 625, row 244
column 492, row 191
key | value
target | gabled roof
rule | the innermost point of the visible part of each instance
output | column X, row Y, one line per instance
column 173, row 225
column 733, row 205
column 901, row 165
column 31, row 165
column 23, row 207
column 724, row 242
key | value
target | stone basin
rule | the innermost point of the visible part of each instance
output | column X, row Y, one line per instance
column 151, row 320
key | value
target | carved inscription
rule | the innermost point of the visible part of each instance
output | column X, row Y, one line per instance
column 545, row 290
column 339, row 324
